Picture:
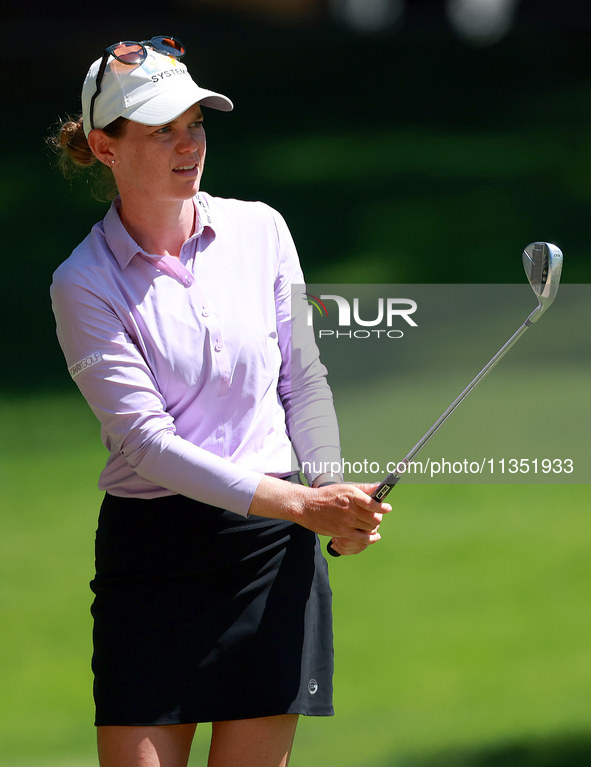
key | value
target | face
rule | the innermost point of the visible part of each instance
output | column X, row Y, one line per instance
column 161, row 162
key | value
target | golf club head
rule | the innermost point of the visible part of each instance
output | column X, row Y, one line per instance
column 543, row 265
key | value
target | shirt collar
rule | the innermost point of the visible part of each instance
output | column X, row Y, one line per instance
column 124, row 247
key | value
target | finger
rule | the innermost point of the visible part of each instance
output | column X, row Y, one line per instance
column 367, row 487
column 364, row 499
column 348, row 546
column 343, row 546
column 330, row 548
column 362, row 522
column 368, row 516
column 360, row 538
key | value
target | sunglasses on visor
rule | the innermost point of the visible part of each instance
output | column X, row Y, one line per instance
column 130, row 52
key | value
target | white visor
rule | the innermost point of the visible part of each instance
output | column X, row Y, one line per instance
column 154, row 92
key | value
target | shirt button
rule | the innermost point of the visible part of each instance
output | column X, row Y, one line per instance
column 187, row 282
column 218, row 346
column 204, row 312
column 226, row 377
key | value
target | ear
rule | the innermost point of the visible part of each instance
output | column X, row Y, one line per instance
column 101, row 146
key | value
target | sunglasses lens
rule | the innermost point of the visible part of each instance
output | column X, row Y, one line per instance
column 169, row 45
column 129, row 53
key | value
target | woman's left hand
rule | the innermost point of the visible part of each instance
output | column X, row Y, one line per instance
column 344, row 512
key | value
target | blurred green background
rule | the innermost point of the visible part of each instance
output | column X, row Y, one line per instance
column 522, row 424
column 399, row 150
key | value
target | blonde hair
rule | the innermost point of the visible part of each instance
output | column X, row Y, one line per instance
column 74, row 155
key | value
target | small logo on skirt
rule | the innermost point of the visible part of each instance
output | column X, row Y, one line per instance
column 312, row 686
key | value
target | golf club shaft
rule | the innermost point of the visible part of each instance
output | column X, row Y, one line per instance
column 394, row 477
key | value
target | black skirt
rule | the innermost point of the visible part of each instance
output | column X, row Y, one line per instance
column 201, row 615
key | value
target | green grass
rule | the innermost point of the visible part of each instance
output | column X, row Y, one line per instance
column 464, row 631
column 48, row 469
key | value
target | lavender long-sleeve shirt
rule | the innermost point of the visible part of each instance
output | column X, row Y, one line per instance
column 188, row 363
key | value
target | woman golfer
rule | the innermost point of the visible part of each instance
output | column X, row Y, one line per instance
column 212, row 601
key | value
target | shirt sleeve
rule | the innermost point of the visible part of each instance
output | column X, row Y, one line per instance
column 117, row 383
column 303, row 387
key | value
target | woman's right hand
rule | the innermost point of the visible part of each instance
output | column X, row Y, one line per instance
column 346, row 513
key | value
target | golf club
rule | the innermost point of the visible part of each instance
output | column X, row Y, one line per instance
column 543, row 265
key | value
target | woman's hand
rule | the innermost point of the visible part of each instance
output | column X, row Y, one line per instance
column 346, row 513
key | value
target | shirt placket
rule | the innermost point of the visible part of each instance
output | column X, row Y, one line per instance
column 220, row 357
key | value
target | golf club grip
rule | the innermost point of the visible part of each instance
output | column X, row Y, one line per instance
column 379, row 493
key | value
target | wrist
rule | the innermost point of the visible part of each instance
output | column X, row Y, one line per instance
column 276, row 499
